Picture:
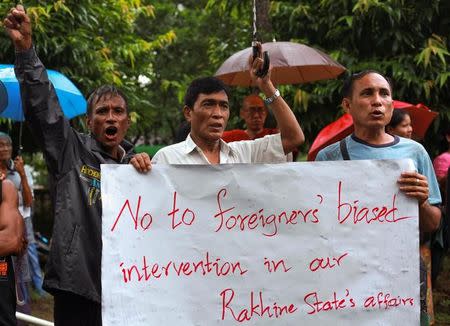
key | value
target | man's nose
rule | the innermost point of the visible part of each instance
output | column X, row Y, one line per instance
column 376, row 99
column 111, row 116
column 217, row 110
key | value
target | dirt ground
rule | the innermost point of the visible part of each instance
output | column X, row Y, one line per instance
column 441, row 295
column 43, row 307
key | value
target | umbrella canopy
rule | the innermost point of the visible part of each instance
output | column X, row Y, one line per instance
column 421, row 118
column 292, row 63
column 70, row 98
column 332, row 133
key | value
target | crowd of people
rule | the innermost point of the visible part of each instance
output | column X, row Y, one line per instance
column 73, row 271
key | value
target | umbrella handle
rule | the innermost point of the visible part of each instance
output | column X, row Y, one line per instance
column 256, row 53
column 265, row 68
column 19, row 151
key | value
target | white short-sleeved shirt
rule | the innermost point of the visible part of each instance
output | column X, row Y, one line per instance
column 268, row 149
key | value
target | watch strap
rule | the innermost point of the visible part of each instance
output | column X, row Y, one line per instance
column 269, row 100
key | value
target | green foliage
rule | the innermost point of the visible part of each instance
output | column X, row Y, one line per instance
column 94, row 43
column 172, row 42
column 40, row 173
column 405, row 40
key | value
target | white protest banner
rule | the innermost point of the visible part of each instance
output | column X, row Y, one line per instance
column 323, row 243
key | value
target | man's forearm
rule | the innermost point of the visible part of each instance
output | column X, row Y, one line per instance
column 27, row 194
column 291, row 132
column 429, row 217
column 41, row 107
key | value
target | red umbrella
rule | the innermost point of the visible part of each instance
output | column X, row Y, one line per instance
column 421, row 118
column 292, row 63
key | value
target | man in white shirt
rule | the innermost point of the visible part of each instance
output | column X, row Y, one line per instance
column 207, row 109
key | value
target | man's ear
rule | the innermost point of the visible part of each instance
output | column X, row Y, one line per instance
column 346, row 104
column 187, row 113
column 448, row 138
column 88, row 122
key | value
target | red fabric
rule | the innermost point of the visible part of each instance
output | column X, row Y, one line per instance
column 332, row 133
column 239, row 134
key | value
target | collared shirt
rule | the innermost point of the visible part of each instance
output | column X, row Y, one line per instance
column 268, row 149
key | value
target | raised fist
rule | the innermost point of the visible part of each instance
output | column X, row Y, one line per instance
column 18, row 26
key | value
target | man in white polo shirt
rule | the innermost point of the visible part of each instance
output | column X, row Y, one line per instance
column 207, row 109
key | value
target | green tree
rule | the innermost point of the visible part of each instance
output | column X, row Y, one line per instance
column 406, row 40
column 94, row 43
column 153, row 49
column 205, row 35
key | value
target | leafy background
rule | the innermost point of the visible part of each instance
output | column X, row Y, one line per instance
column 173, row 42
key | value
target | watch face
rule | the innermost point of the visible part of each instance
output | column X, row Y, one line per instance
column 269, row 100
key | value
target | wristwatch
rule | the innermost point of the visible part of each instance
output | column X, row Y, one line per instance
column 269, row 100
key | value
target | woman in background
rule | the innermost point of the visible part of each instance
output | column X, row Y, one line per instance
column 400, row 124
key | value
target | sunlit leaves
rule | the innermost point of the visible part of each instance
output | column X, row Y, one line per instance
column 435, row 46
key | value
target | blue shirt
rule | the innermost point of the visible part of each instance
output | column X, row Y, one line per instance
column 398, row 149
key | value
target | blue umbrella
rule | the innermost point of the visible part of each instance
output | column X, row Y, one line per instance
column 70, row 98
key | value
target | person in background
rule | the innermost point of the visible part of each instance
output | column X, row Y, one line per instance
column 441, row 241
column 14, row 171
column 400, row 124
column 254, row 113
column 32, row 253
column 441, row 163
column 12, row 242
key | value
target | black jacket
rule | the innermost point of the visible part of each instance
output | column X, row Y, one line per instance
column 73, row 162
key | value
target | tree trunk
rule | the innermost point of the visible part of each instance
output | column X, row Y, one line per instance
column 263, row 23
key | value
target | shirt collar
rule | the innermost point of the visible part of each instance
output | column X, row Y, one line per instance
column 190, row 146
column 97, row 147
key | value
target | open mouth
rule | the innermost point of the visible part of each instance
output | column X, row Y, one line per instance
column 216, row 126
column 377, row 113
column 111, row 131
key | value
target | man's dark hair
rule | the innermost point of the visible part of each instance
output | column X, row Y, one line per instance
column 102, row 92
column 204, row 85
column 347, row 88
column 398, row 115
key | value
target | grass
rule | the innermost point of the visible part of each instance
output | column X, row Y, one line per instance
column 42, row 307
